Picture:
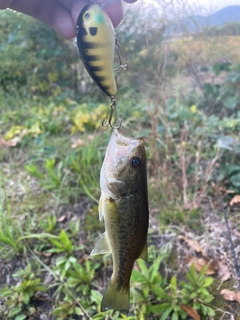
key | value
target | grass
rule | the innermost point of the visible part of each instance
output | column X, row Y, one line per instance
column 49, row 189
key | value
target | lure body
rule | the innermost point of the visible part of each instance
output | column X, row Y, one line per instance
column 96, row 44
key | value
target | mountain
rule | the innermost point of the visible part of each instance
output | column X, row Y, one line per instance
column 225, row 15
column 218, row 19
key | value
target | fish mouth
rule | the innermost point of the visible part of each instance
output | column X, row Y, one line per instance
column 120, row 147
column 116, row 173
column 122, row 140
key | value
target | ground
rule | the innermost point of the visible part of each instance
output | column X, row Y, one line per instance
column 203, row 239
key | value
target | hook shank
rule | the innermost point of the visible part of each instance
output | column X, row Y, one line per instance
column 108, row 120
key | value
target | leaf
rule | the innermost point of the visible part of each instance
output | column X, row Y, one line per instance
column 20, row 317
column 26, row 297
column 223, row 271
column 10, row 143
column 235, row 179
column 160, row 292
column 15, row 131
column 5, row 292
column 190, row 311
column 203, row 291
column 64, row 238
column 159, row 308
column 232, row 169
column 7, row 241
column 143, row 268
column 33, row 170
column 78, row 143
column 166, row 313
column 15, row 310
column 173, row 286
column 210, row 311
column 235, row 200
column 78, row 311
column 200, row 263
column 193, row 244
column 208, row 281
column 230, row 295
column 154, row 268
column 208, row 298
column 96, row 296
column 175, row 316
column 62, row 218
column 191, row 275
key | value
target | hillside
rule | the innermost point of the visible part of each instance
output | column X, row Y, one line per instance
column 218, row 19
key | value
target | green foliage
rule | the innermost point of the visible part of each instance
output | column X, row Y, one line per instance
column 158, row 298
column 223, row 99
column 33, row 57
column 9, row 230
column 71, row 277
column 195, row 291
column 50, row 224
column 86, row 119
column 230, row 29
column 17, row 298
column 55, row 175
column 60, row 144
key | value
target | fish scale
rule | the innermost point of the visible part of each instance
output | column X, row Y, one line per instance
column 124, row 206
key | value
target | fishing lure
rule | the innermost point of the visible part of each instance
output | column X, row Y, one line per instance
column 96, row 44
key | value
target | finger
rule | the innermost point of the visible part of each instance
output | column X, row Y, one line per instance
column 114, row 9
column 50, row 12
column 74, row 8
column 4, row 4
column 130, row 1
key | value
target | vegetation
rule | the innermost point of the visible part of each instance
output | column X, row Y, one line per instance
column 183, row 95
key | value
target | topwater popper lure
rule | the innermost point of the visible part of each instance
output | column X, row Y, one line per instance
column 96, row 43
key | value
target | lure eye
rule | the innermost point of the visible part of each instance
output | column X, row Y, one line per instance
column 87, row 15
column 135, row 162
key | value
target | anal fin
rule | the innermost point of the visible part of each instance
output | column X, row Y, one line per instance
column 144, row 253
column 102, row 246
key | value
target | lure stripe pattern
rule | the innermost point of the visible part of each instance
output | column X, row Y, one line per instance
column 96, row 44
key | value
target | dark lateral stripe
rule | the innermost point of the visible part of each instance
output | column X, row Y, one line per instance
column 91, row 45
column 107, row 88
column 99, row 78
column 91, row 57
column 95, row 68
column 81, row 32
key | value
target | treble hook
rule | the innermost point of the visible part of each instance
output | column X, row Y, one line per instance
column 121, row 65
column 108, row 120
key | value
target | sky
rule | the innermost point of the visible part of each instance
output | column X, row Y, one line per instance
column 214, row 5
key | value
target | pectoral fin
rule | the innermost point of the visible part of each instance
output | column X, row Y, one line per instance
column 102, row 246
column 144, row 253
column 100, row 208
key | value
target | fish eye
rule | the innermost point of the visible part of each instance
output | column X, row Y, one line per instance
column 87, row 15
column 135, row 162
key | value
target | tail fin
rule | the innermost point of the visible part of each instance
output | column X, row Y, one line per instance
column 114, row 299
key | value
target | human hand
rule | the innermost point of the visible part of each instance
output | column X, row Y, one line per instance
column 62, row 15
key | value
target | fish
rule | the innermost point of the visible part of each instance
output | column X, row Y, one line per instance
column 124, row 206
column 96, row 43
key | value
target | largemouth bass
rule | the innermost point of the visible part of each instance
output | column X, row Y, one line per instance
column 124, row 206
